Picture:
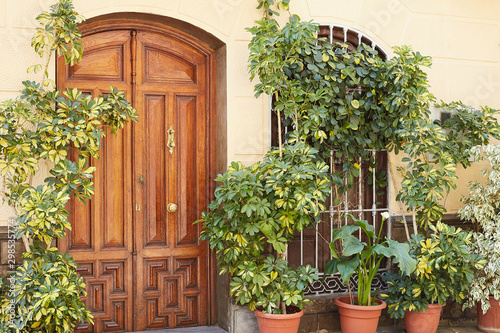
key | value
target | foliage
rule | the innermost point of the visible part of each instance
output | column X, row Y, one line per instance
column 434, row 152
column 482, row 207
column 268, row 4
column 445, row 269
column 254, row 214
column 351, row 101
column 47, row 291
column 62, row 130
column 363, row 258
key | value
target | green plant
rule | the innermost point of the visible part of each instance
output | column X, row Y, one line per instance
column 434, row 152
column 255, row 213
column 445, row 269
column 351, row 101
column 482, row 208
column 62, row 130
column 363, row 258
column 49, row 289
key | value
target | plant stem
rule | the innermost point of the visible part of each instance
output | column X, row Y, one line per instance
column 391, row 169
column 283, row 307
column 351, row 299
column 279, row 128
column 26, row 243
column 414, row 217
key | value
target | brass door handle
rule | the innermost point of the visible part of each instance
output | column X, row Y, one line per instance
column 171, row 207
column 170, row 140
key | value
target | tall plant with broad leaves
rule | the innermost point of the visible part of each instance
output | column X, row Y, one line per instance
column 258, row 208
column 363, row 258
column 253, row 217
column 47, row 126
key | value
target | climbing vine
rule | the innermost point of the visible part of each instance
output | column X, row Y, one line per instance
column 62, row 129
column 350, row 101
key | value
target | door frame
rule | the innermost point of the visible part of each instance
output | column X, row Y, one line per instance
column 214, row 50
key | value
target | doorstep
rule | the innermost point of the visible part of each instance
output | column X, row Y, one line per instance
column 199, row 329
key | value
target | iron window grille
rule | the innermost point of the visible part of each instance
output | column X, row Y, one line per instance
column 365, row 200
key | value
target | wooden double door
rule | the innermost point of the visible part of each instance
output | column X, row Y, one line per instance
column 135, row 241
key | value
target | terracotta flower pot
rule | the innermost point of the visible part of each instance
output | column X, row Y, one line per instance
column 358, row 318
column 278, row 323
column 490, row 321
column 423, row 322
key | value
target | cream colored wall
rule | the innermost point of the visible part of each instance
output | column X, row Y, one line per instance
column 461, row 35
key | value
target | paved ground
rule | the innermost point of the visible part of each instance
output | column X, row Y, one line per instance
column 203, row 329
column 468, row 328
column 450, row 328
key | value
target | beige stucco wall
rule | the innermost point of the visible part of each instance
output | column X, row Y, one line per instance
column 461, row 35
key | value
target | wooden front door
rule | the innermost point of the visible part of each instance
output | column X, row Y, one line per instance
column 135, row 241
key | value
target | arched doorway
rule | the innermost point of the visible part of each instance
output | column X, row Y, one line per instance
column 139, row 252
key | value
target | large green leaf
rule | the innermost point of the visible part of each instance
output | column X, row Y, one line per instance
column 400, row 253
column 346, row 266
column 367, row 227
column 344, row 232
column 352, row 245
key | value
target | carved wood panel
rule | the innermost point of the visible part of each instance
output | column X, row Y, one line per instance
column 172, row 292
column 172, row 90
column 144, row 266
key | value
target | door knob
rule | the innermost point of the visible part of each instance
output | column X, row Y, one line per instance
column 171, row 207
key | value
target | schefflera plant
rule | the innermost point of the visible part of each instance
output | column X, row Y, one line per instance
column 63, row 130
column 253, row 217
column 482, row 208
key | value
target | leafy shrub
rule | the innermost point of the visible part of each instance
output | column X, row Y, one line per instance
column 482, row 207
column 445, row 269
column 254, row 215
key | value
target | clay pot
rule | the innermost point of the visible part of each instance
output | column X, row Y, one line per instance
column 490, row 321
column 423, row 322
column 358, row 318
column 279, row 323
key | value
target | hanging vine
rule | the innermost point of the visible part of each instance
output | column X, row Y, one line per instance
column 44, row 125
column 351, row 102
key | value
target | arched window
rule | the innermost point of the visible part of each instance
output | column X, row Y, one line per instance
column 368, row 197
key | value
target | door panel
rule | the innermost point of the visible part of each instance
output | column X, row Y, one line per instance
column 173, row 290
column 144, row 266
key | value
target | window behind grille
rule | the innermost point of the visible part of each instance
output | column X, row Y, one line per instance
column 365, row 200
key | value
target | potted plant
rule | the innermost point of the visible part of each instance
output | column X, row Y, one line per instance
column 254, row 214
column 444, row 271
column 362, row 258
column 482, row 208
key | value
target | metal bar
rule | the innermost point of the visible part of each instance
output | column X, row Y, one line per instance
column 346, row 205
column 374, row 191
column 389, row 225
column 360, row 188
column 363, row 210
column 346, row 29
column 302, row 247
column 332, row 213
column 271, row 121
column 316, row 259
